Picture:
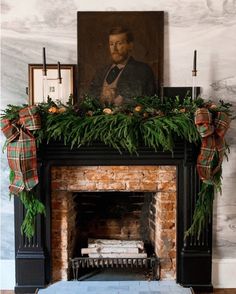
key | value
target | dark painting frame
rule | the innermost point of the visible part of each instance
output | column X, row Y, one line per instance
column 92, row 42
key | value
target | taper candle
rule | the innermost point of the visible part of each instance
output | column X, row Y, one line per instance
column 195, row 63
column 59, row 71
column 44, row 62
column 194, row 75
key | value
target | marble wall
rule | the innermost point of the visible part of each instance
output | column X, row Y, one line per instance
column 206, row 25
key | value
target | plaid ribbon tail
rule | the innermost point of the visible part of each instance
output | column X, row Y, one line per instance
column 220, row 147
column 21, row 149
column 222, row 123
column 23, row 161
column 205, row 158
column 213, row 143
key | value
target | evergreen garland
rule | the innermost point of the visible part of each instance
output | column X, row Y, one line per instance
column 147, row 120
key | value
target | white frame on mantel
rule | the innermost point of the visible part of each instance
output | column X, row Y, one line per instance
column 36, row 82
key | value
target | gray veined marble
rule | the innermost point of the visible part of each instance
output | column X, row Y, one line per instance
column 228, row 84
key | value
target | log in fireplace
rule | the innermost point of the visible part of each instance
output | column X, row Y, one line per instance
column 34, row 257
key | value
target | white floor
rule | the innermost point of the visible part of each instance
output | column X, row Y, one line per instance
column 116, row 287
column 7, row 274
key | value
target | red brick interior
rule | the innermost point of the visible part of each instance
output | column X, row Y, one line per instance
column 159, row 180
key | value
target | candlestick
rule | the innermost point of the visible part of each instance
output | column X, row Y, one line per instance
column 194, row 88
column 162, row 92
column 59, row 90
column 59, row 72
column 45, row 88
column 44, row 62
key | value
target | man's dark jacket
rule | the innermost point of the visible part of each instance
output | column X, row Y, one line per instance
column 136, row 79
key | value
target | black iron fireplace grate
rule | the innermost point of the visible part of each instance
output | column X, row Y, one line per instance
column 152, row 263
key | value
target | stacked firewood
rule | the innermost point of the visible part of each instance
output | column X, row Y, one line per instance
column 98, row 248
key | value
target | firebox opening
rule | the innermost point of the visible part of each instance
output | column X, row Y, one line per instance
column 113, row 220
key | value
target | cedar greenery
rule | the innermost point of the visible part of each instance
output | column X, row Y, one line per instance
column 155, row 124
column 145, row 120
column 32, row 206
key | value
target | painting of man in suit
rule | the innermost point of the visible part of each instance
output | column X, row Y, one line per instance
column 127, row 61
column 125, row 77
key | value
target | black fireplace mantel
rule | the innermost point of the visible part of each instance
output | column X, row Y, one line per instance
column 194, row 256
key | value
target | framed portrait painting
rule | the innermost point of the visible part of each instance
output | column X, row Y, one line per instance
column 120, row 54
column 38, row 87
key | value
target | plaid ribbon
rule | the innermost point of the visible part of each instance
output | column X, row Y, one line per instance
column 21, row 149
column 212, row 130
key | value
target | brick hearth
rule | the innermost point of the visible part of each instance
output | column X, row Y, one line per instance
column 160, row 180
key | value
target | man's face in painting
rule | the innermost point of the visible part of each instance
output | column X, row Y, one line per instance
column 120, row 48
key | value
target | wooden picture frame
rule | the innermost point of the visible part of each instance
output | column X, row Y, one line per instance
column 93, row 32
column 68, row 72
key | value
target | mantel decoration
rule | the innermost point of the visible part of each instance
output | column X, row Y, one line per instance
column 150, row 121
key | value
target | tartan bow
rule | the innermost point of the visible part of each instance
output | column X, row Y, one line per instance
column 21, row 149
column 212, row 130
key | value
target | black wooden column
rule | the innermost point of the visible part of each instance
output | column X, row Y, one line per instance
column 31, row 254
column 194, row 255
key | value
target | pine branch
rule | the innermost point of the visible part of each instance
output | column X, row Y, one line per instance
column 33, row 207
column 203, row 211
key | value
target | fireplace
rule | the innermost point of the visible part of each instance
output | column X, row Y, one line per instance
column 166, row 183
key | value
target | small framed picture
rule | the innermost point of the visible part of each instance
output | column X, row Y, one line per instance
column 58, row 84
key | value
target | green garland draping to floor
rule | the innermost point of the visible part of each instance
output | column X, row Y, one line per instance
column 145, row 120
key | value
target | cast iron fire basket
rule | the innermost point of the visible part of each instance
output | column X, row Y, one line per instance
column 152, row 263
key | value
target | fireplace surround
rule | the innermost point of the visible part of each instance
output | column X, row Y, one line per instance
column 193, row 256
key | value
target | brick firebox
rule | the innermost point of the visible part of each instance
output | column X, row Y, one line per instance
column 160, row 180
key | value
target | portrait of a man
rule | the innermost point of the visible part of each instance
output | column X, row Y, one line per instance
column 126, row 55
